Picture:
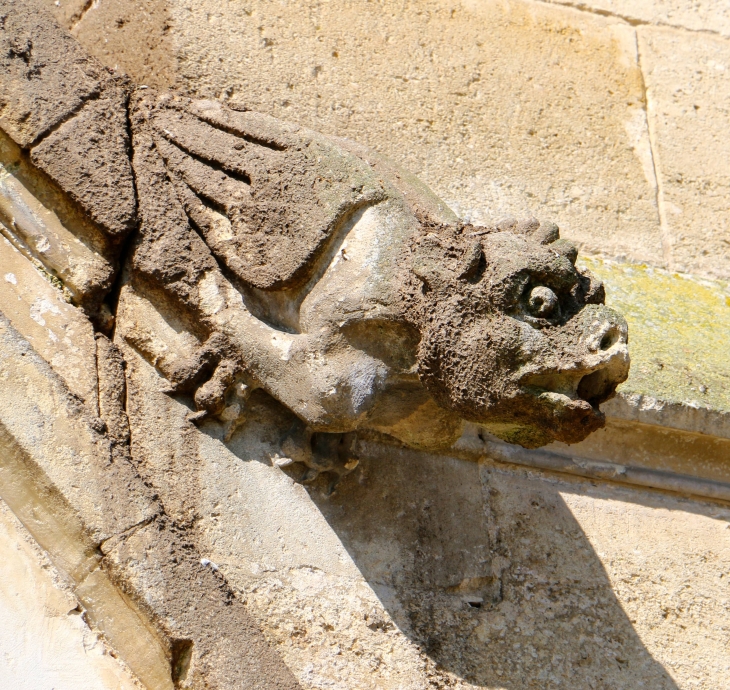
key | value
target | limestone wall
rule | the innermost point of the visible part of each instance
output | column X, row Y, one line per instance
column 609, row 116
column 474, row 569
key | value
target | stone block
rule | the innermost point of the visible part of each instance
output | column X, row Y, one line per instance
column 674, row 321
column 40, row 219
column 698, row 15
column 133, row 36
column 88, row 157
column 45, row 640
column 58, row 331
column 123, row 627
column 689, row 102
column 502, row 109
column 46, row 74
column 214, row 642
column 54, row 445
column 67, row 12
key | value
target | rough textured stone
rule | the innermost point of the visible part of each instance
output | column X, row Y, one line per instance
column 214, row 641
column 696, row 314
column 88, row 157
column 133, row 36
column 57, row 435
column 667, row 564
column 426, row 571
column 303, row 254
column 520, row 109
column 46, row 75
column 40, row 219
column 284, row 191
column 569, row 135
column 689, row 104
column 63, row 479
column 67, row 12
column 420, row 570
column 698, row 15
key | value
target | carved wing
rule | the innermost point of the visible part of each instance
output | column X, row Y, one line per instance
column 265, row 196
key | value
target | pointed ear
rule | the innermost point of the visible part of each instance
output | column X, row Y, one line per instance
column 543, row 232
column 471, row 262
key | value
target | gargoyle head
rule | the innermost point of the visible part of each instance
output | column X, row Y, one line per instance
column 514, row 335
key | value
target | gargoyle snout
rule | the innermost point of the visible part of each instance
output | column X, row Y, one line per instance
column 607, row 356
column 609, row 332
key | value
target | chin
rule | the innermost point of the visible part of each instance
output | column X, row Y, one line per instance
column 534, row 421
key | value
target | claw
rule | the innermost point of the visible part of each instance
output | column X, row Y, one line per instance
column 197, row 417
column 310, row 474
column 332, row 487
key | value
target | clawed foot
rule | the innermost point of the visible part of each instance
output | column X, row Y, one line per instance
column 334, row 455
column 216, row 376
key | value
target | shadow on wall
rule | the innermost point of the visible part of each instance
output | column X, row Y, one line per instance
column 483, row 568
column 488, row 572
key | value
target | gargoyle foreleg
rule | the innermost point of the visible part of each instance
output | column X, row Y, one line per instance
column 330, row 390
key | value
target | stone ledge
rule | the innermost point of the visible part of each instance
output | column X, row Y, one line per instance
column 684, row 484
column 637, row 407
column 678, row 326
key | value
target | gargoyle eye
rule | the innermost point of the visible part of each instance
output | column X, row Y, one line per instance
column 543, row 302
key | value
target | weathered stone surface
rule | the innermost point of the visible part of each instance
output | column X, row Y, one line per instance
column 46, row 74
column 112, row 391
column 67, row 12
column 79, row 494
column 666, row 561
column 689, row 101
column 699, row 15
column 62, row 481
column 58, row 331
column 133, row 36
column 56, row 436
column 88, row 156
column 42, row 221
column 130, row 634
column 281, row 195
column 315, row 279
column 520, row 109
column 45, row 640
column 425, row 570
column 215, row 642
column 420, row 570
column 675, row 321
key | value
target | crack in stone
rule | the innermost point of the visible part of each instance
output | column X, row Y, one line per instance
column 78, row 18
column 664, row 234
column 632, row 21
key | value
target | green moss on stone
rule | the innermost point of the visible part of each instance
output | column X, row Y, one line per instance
column 679, row 332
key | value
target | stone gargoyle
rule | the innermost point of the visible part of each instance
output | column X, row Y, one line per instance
column 267, row 256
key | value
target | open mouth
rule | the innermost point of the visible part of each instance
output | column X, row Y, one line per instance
column 574, row 390
column 597, row 387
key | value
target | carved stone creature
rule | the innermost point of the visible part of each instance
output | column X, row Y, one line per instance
column 269, row 256
column 256, row 254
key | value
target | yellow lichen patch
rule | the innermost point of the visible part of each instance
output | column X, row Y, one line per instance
column 679, row 328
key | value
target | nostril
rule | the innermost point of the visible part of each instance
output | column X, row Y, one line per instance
column 609, row 339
